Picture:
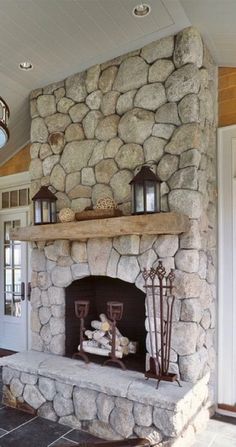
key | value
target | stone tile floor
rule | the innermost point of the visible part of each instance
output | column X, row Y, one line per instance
column 220, row 432
column 18, row 429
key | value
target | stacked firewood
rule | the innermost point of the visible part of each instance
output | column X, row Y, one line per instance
column 99, row 339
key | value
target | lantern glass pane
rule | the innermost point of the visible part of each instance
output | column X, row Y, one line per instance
column 133, row 199
column 139, row 198
column 150, row 197
column 37, row 212
column 46, row 211
column 53, row 212
column 158, row 197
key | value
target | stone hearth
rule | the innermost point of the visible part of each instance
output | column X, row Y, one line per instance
column 107, row 402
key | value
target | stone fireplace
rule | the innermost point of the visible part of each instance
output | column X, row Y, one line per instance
column 89, row 134
column 115, row 262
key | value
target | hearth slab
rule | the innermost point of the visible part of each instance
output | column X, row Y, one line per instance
column 112, row 381
column 105, row 401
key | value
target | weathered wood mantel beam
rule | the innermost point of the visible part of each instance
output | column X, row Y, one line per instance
column 159, row 223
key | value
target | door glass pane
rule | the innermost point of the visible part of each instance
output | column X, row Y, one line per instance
column 8, row 279
column 7, row 227
column 17, row 281
column 17, row 254
column 12, row 272
column 7, row 255
column 8, row 303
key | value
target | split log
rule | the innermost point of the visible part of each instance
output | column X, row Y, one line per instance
column 101, row 338
column 89, row 334
column 101, row 325
column 125, row 350
column 133, row 347
column 98, row 334
column 87, row 347
column 104, row 341
column 124, row 341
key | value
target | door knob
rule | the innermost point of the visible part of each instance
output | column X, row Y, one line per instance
column 22, row 291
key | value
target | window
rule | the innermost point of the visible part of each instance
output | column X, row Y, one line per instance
column 15, row 198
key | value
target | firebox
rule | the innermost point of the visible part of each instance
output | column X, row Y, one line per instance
column 99, row 290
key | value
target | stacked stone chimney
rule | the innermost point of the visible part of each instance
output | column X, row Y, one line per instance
column 89, row 134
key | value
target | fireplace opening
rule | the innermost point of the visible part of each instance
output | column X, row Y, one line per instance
column 99, row 290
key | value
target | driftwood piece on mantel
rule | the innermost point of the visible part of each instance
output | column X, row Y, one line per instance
column 158, row 223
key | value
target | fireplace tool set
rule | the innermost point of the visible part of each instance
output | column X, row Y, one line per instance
column 160, row 302
column 115, row 313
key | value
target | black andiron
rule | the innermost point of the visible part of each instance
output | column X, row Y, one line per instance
column 114, row 312
column 160, row 299
column 81, row 312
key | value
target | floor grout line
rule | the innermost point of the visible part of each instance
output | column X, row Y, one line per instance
column 4, row 434
column 211, row 442
column 19, row 426
column 60, row 437
column 71, row 440
column 63, row 439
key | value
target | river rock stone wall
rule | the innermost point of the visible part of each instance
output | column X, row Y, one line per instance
column 89, row 134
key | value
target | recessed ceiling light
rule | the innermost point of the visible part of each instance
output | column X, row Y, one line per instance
column 141, row 10
column 26, row 65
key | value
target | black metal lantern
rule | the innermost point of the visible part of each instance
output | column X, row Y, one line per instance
column 145, row 192
column 44, row 206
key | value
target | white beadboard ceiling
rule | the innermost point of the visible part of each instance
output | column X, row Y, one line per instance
column 61, row 37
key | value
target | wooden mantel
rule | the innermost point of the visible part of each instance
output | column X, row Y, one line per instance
column 159, row 223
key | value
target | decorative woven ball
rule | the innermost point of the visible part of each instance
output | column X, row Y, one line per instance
column 106, row 203
column 66, row 215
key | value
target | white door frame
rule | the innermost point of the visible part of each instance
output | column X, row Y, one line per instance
column 14, row 330
column 7, row 183
column 227, row 265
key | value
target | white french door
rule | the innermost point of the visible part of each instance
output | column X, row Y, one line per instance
column 227, row 266
column 13, row 284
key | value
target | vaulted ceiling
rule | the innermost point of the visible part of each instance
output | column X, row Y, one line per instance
column 61, row 37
